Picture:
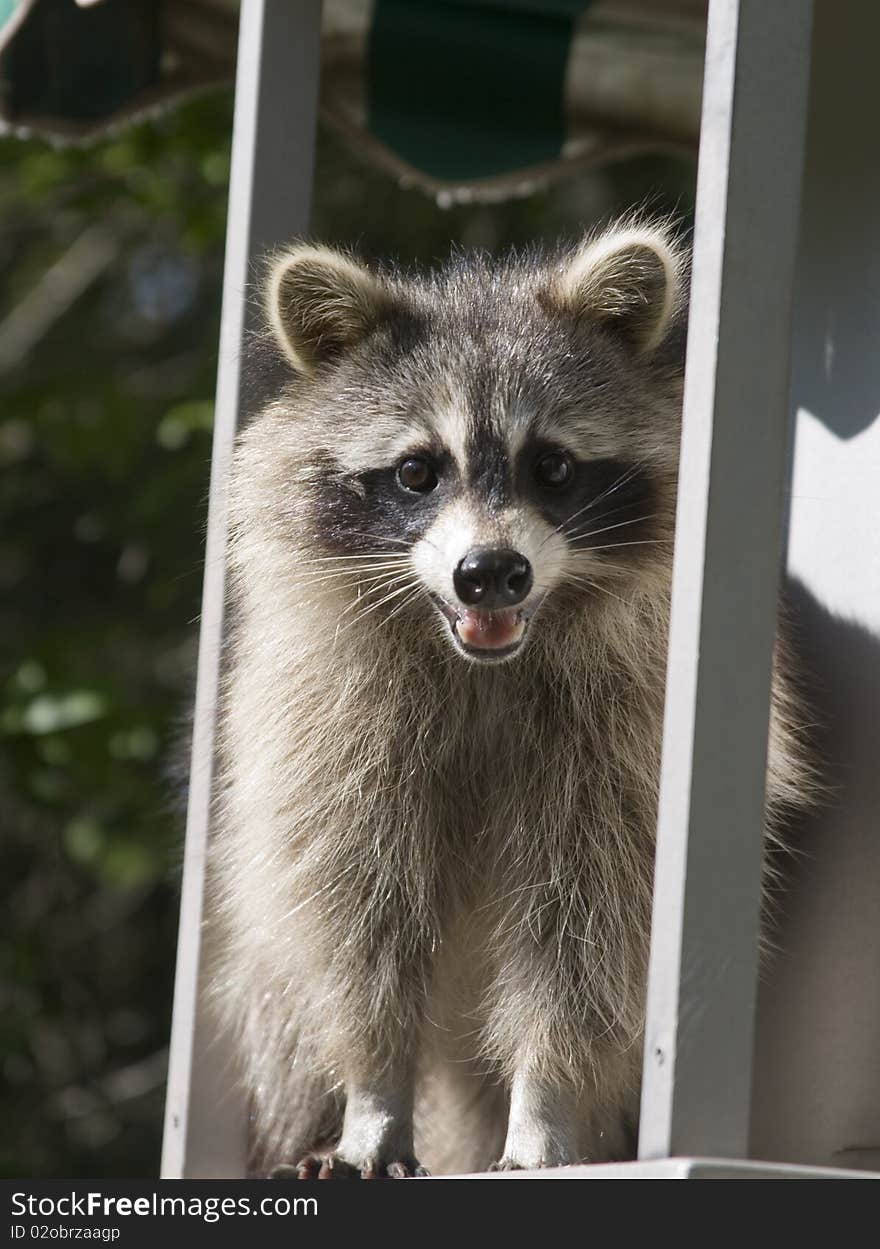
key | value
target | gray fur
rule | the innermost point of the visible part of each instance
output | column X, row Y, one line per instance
column 432, row 874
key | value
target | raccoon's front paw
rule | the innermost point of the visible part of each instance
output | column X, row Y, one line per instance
column 512, row 1164
column 504, row 1164
column 333, row 1167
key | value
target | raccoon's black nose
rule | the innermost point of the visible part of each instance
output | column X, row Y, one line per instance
column 492, row 578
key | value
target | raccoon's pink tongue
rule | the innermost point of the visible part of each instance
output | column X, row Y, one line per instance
column 490, row 630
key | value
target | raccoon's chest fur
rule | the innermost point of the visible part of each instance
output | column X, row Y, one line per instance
column 484, row 796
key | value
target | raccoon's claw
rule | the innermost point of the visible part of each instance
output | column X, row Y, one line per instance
column 332, row 1167
column 284, row 1171
column 406, row 1170
column 510, row 1164
column 325, row 1167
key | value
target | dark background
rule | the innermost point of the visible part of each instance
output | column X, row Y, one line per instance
column 110, row 270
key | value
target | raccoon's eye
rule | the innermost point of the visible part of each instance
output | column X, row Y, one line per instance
column 417, row 475
column 553, row 470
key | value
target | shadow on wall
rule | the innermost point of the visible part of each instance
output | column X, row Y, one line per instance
column 817, row 1077
column 836, row 364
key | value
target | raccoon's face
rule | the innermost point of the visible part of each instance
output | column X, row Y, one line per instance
column 489, row 439
column 516, row 524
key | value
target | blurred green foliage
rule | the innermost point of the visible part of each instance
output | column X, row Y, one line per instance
column 104, row 448
column 111, row 263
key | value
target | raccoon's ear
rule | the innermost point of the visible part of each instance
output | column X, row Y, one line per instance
column 628, row 279
column 319, row 302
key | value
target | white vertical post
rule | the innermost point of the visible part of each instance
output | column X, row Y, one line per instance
column 269, row 201
column 703, row 966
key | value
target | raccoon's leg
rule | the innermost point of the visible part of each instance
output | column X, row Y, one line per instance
column 377, row 1134
column 553, row 1123
column 564, row 1022
column 542, row 1127
column 376, row 982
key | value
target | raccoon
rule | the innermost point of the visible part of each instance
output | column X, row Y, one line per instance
column 450, row 562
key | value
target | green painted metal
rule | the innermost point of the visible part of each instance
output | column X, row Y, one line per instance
column 82, row 63
column 465, row 90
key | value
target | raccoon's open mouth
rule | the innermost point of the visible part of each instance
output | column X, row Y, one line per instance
column 486, row 635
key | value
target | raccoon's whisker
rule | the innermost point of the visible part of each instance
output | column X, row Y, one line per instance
column 593, row 585
column 357, row 576
column 358, row 555
column 367, row 555
column 619, row 524
column 594, row 533
column 608, row 567
column 354, row 575
column 355, row 572
column 612, row 511
column 385, row 583
column 402, row 606
column 625, row 477
column 372, row 607
column 612, row 546
column 387, row 598
column 383, row 571
column 379, row 537
column 621, row 480
column 344, row 569
column 358, row 585
column 616, row 485
column 359, row 590
column 385, row 537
